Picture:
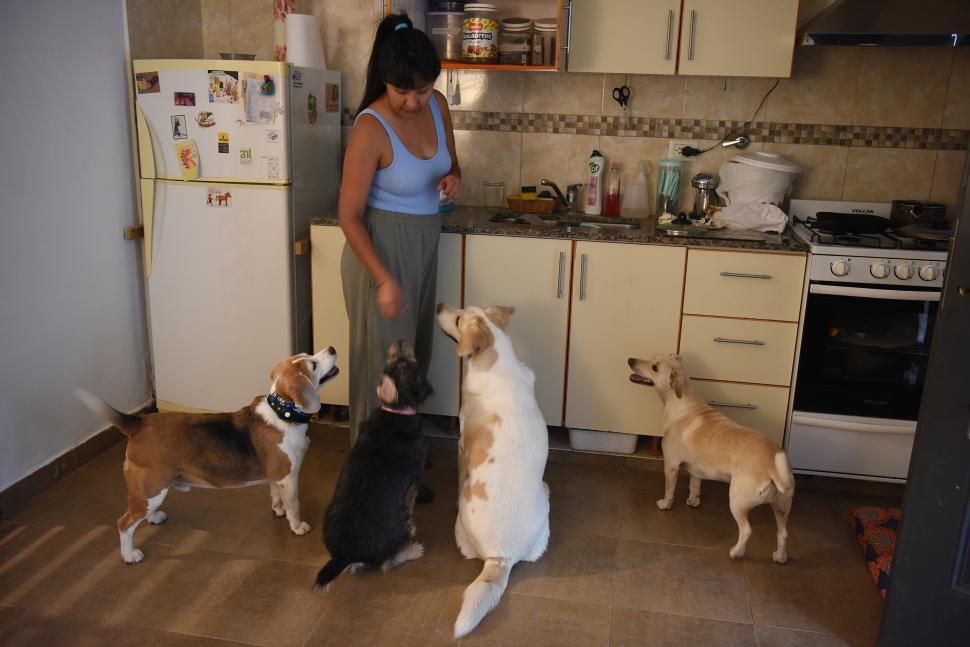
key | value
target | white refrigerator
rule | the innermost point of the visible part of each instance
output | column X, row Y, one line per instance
column 235, row 158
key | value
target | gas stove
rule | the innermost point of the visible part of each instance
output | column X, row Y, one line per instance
column 889, row 258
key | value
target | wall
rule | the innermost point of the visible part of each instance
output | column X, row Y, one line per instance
column 70, row 285
column 165, row 28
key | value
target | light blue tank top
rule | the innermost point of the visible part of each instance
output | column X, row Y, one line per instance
column 410, row 184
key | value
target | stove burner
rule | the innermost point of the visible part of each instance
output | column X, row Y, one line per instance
column 890, row 239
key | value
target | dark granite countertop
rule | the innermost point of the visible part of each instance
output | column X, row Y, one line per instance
column 476, row 220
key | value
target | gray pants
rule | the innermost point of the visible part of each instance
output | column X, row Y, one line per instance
column 408, row 246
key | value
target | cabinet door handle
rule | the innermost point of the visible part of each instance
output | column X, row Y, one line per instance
column 568, row 8
column 582, row 277
column 741, row 275
column 562, row 269
column 690, row 40
column 670, row 32
column 749, row 342
column 733, row 405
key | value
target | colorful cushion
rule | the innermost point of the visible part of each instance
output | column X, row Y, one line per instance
column 875, row 530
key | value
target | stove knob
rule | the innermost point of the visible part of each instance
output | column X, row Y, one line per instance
column 928, row 273
column 904, row 272
column 839, row 268
column 879, row 270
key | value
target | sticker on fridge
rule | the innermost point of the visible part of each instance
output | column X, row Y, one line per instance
column 223, row 86
column 205, row 119
column 147, row 82
column 332, row 93
column 272, row 136
column 260, row 107
column 297, row 78
column 185, row 98
column 311, row 108
column 180, row 128
column 188, row 157
column 246, row 156
column 223, row 142
column 218, row 198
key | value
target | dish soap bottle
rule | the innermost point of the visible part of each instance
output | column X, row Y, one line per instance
column 612, row 207
column 594, row 190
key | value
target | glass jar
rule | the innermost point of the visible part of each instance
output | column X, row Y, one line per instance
column 547, row 28
column 668, row 185
column 479, row 34
column 515, row 43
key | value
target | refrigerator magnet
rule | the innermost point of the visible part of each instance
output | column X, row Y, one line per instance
column 297, row 78
column 268, row 87
column 272, row 137
column 259, row 108
column 205, row 119
column 273, row 167
column 218, row 198
column 185, row 98
column 332, row 93
column 246, row 156
column 188, row 157
column 180, row 128
column 311, row 108
column 223, row 142
column 147, row 82
column 223, row 86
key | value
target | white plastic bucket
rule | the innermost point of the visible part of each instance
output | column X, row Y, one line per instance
column 756, row 177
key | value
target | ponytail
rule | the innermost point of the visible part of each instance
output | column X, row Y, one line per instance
column 402, row 56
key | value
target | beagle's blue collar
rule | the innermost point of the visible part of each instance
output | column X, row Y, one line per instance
column 288, row 411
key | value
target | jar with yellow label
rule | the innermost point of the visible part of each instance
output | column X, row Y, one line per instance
column 479, row 35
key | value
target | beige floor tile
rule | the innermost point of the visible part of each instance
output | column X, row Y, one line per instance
column 586, row 467
column 679, row 579
column 634, row 627
column 538, row 622
column 583, row 506
column 777, row 637
column 575, row 567
column 8, row 617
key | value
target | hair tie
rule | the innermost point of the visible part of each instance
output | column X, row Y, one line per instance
column 400, row 26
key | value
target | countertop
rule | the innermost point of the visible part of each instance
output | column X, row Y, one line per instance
column 476, row 220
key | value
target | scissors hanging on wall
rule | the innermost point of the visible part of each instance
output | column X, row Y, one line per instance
column 622, row 96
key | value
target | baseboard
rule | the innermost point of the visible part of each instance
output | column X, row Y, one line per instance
column 14, row 497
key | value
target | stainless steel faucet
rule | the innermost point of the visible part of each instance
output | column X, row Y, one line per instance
column 552, row 185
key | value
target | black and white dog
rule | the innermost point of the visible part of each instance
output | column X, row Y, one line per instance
column 369, row 520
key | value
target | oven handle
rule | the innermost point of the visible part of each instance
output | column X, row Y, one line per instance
column 875, row 293
column 844, row 425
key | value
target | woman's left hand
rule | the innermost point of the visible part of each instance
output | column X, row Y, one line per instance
column 450, row 185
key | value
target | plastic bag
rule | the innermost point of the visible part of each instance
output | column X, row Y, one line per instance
column 760, row 216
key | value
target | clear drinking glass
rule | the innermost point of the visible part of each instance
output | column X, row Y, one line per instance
column 493, row 191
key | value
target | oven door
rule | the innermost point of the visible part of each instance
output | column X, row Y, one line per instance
column 864, row 350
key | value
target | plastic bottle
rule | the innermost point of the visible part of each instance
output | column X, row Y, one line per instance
column 635, row 193
column 612, row 206
column 594, row 189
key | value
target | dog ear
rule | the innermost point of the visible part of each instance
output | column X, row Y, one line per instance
column 295, row 386
column 499, row 315
column 677, row 381
column 475, row 339
column 387, row 390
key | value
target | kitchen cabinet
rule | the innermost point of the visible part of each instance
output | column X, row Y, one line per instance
column 763, row 408
column 737, row 37
column 740, row 350
column 531, row 274
column 332, row 328
column 626, row 302
column 624, row 36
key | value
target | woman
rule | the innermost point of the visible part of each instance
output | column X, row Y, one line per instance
column 401, row 154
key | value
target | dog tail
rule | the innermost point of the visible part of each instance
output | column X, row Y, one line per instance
column 483, row 594
column 128, row 424
column 331, row 571
column 781, row 476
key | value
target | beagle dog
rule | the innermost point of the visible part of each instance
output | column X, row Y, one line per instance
column 263, row 442
column 503, row 503
column 709, row 445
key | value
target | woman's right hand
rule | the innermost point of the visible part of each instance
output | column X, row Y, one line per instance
column 390, row 299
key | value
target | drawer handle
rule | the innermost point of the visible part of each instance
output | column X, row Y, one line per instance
column 749, row 342
column 562, row 269
column 582, row 277
column 741, row 275
column 715, row 403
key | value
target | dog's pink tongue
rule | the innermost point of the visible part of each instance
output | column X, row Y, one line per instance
column 638, row 379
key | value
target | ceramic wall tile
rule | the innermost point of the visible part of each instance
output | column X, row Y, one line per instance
column 485, row 155
column 724, row 97
column 486, row 91
column 252, row 28
column 215, row 27
column 884, row 174
column 650, row 96
column 165, row 29
column 902, row 86
column 347, row 30
column 628, row 152
column 570, row 93
column 822, row 87
column 956, row 114
column 947, row 177
column 560, row 158
column 823, row 169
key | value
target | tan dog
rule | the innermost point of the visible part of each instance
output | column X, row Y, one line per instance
column 263, row 442
column 709, row 445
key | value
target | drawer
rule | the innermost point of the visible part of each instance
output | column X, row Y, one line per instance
column 763, row 408
column 738, row 350
column 744, row 284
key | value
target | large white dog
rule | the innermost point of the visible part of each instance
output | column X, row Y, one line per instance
column 503, row 504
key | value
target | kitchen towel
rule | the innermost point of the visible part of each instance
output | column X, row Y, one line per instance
column 303, row 44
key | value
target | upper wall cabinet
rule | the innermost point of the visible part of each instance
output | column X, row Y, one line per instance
column 624, row 36
column 737, row 37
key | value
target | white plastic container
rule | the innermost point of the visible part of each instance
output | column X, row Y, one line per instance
column 594, row 188
column 547, row 28
column 587, row 440
column 756, row 177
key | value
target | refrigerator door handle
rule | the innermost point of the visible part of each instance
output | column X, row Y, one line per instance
column 146, row 150
column 147, row 218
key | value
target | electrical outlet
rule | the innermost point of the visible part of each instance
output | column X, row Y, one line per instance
column 676, row 147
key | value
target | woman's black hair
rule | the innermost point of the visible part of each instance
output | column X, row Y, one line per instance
column 402, row 56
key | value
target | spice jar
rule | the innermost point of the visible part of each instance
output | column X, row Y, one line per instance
column 479, row 35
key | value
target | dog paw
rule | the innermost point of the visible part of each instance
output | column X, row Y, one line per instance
column 664, row 504
column 417, row 550
column 157, row 517
column 780, row 556
column 133, row 557
column 736, row 553
column 693, row 501
column 301, row 528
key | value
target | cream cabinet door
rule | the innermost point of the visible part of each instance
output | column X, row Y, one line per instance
column 626, row 303
column 532, row 275
column 737, row 37
column 624, row 36
column 445, row 369
column 330, row 324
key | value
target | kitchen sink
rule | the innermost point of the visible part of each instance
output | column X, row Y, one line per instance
column 621, row 225
column 510, row 218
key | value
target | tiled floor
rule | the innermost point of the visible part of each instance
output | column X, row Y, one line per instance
column 222, row 570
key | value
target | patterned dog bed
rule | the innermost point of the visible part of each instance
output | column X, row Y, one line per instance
column 875, row 530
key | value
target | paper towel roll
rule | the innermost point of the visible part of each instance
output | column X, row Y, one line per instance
column 303, row 46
